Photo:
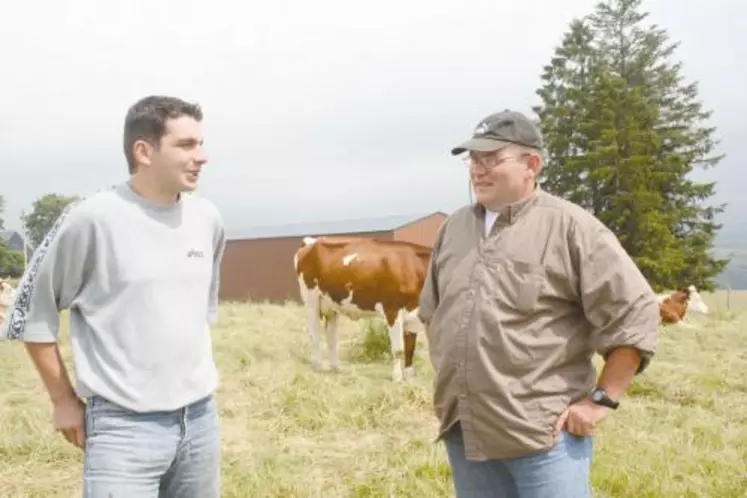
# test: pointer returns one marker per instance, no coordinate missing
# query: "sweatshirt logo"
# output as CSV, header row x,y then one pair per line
x,y
194,253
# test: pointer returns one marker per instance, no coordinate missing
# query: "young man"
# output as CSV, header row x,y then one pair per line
x,y
523,288
138,267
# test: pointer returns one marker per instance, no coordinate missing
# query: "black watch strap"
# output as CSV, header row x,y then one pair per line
x,y
600,397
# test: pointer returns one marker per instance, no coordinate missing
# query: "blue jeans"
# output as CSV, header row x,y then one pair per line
x,y
563,472
151,455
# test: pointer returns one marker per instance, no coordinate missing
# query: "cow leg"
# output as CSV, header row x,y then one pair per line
x,y
410,341
395,338
313,323
412,326
334,360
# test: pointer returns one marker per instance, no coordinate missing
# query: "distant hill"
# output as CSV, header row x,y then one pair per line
x,y
731,242
735,274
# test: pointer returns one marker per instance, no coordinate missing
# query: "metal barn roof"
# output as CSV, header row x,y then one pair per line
x,y
377,224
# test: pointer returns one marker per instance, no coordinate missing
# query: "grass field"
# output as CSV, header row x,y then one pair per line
x,y
290,432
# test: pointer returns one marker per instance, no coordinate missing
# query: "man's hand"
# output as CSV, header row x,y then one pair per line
x,y
69,419
581,418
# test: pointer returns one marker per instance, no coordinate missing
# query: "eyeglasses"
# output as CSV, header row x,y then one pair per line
x,y
489,162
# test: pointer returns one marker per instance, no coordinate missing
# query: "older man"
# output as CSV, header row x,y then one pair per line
x,y
522,289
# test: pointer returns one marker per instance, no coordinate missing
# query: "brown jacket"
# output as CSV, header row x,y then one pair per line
x,y
514,319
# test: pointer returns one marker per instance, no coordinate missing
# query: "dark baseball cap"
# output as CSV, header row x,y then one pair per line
x,y
499,130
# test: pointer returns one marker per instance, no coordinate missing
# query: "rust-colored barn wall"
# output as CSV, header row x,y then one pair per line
x,y
262,269
421,232
257,269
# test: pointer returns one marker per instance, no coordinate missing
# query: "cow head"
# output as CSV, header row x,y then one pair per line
x,y
695,301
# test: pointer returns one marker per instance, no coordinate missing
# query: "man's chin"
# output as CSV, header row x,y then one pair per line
x,y
189,186
483,198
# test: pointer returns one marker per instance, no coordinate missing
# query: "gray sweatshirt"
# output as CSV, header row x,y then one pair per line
x,y
141,283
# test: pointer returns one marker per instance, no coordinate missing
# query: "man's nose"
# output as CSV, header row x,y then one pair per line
x,y
201,157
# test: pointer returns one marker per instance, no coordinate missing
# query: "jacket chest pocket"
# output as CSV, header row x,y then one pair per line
x,y
516,285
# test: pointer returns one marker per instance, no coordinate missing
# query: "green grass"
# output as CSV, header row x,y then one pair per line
x,y
291,432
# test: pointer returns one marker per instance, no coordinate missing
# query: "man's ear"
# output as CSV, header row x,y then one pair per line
x,y
142,151
534,163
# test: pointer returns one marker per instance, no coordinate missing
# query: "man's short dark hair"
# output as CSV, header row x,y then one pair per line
x,y
146,120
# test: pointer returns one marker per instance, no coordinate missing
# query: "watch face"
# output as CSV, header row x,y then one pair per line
x,y
597,395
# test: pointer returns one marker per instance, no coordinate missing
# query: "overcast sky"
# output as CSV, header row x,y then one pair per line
x,y
313,110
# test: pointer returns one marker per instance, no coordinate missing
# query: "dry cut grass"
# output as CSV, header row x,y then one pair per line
x,y
291,432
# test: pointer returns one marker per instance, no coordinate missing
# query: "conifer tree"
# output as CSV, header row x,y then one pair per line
x,y
623,132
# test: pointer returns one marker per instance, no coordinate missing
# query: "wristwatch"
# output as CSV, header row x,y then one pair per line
x,y
600,397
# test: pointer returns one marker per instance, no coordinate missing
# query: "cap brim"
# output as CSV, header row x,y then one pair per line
x,y
479,145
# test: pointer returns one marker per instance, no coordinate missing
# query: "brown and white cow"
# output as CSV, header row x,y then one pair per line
x,y
7,296
691,300
362,278
673,308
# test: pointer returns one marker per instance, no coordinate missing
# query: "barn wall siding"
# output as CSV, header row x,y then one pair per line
x,y
422,232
